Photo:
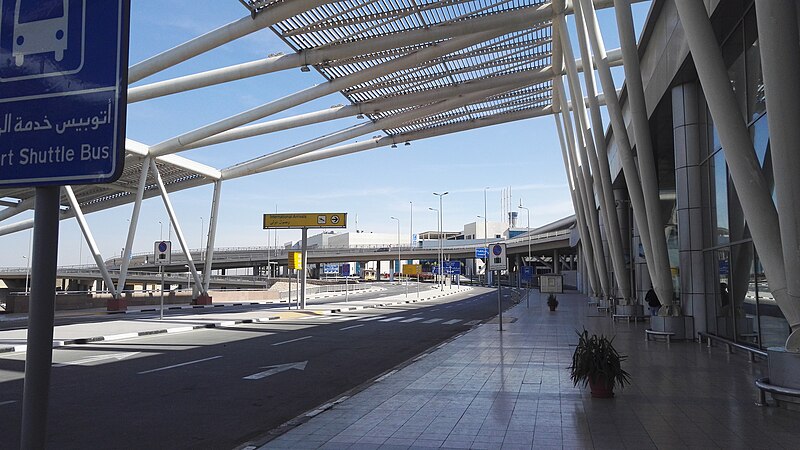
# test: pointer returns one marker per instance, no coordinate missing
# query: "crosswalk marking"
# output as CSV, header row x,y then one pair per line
x,y
413,319
390,319
451,322
371,318
433,320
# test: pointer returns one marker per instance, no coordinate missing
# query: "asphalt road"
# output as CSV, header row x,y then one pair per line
x,y
222,387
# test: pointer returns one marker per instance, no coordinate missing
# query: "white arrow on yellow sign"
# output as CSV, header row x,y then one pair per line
x,y
306,220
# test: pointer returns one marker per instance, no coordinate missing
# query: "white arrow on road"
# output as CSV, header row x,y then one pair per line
x,y
92,359
276,369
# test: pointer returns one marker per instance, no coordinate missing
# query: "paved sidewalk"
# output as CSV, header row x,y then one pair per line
x,y
125,326
488,389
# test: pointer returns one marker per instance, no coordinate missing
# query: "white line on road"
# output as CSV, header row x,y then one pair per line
x,y
432,320
451,322
292,340
7,402
390,319
371,318
351,327
413,319
180,365
95,358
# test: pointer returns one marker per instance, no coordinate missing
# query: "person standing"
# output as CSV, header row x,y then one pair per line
x,y
652,301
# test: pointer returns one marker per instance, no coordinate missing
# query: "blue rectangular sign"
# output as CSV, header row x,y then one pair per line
x,y
63,84
481,252
452,267
345,270
527,273
331,269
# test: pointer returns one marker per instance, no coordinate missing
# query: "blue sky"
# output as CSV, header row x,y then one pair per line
x,y
374,185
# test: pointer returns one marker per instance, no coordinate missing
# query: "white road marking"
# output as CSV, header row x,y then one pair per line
x,y
343,318
180,365
292,340
351,327
95,358
390,319
7,402
413,319
451,322
433,320
371,318
277,369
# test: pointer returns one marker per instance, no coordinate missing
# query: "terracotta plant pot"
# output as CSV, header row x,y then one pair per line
x,y
552,307
601,388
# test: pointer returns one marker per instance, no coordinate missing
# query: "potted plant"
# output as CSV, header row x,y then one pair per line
x,y
552,302
596,362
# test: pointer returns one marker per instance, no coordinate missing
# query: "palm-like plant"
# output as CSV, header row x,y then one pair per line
x,y
596,360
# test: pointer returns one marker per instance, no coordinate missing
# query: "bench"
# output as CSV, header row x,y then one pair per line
x,y
763,387
655,334
628,317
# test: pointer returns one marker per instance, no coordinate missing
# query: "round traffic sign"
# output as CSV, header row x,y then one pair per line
x,y
162,246
497,249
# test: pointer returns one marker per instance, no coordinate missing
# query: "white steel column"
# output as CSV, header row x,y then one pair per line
x,y
87,234
585,147
644,151
600,166
581,223
222,35
137,206
174,219
588,237
410,60
745,170
624,148
780,62
212,235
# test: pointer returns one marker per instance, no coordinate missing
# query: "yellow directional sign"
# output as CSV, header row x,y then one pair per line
x,y
306,220
412,269
296,260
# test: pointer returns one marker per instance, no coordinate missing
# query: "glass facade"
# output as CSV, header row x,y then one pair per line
x,y
743,308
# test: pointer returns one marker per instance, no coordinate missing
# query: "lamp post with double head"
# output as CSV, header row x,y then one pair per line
x,y
438,228
441,231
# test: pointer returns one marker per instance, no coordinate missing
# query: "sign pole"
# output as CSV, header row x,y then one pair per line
x,y
39,357
161,313
302,276
499,301
345,289
290,289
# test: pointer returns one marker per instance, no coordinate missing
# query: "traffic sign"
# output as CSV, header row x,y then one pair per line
x,y
481,252
345,270
452,267
527,273
296,260
63,85
306,220
498,259
330,269
162,253
412,269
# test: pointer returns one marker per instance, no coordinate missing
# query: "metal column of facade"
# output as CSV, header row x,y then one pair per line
x,y
662,281
137,206
624,148
780,61
212,236
603,182
743,166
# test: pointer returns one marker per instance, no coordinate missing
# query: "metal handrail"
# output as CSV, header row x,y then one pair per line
x,y
729,343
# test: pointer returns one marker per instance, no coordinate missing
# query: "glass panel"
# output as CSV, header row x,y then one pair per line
x,y
772,325
756,99
719,198
723,309
741,274
733,53
760,132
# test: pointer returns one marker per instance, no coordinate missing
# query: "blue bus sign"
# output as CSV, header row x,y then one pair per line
x,y
527,273
345,270
63,84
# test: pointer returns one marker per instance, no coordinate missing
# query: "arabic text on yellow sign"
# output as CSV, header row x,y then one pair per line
x,y
296,260
306,220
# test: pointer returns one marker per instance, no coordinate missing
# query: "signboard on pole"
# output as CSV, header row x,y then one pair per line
x,y
330,269
527,274
345,270
63,86
498,259
452,267
412,269
481,252
296,260
162,253
305,220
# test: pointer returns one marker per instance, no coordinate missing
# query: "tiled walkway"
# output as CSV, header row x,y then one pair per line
x,y
490,390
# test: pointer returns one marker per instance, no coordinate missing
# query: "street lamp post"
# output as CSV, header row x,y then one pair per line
x,y
411,226
160,231
485,237
438,227
397,269
529,243
441,230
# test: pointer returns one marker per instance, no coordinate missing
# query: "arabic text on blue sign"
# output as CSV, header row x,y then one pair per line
x,y
63,79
